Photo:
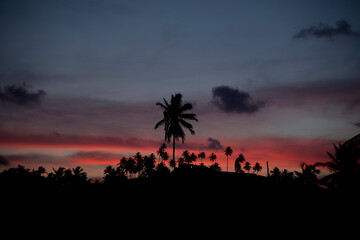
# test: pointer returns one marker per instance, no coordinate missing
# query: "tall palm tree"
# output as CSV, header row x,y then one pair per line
x,y
228,152
174,118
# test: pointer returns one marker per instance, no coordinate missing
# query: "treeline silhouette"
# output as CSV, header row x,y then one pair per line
x,y
191,183
145,167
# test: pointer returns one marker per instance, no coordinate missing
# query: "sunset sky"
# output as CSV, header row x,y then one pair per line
x,y
278,81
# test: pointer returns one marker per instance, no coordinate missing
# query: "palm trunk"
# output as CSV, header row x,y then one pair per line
x,y
174,152
227,164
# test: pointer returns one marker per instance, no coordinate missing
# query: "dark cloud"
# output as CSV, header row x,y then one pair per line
x,y
213,144
322,30
20,94
357,124
4,161
232,100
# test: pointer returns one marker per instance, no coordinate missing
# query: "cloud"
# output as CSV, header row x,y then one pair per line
x,y
232,100
322,30
4,161
357,124
20,94
213,144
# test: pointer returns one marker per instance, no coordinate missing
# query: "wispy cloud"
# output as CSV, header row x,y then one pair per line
x,y
323,30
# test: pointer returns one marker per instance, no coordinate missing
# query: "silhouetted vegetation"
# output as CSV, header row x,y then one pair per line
x,y
174,117
344,165
138,168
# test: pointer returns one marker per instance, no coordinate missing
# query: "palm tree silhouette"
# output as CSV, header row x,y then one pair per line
x,y
174,117
241,158
228,152
130,166
139,165
247,166
193,157
161,151
201,156
308,174
238,160
257,168
165,156
79,175
186,156
212,157
344,163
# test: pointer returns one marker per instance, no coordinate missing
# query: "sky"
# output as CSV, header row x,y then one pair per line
x,y
278,81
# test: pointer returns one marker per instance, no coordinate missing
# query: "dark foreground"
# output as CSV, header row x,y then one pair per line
x,y
181,203
184,188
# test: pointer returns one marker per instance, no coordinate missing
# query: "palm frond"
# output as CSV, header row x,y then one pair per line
x,y
187,125
161,122
331,156
186,107
189,116
166,103
161,105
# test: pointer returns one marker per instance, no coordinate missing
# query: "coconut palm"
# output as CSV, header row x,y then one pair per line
x,y
228,152
308,174
161,151
130,166
193,157
201,156
257,168
186,156
212,157
139,165
165,156
344,163
79,176
241,158
237,166
174,118
122,164
247,166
